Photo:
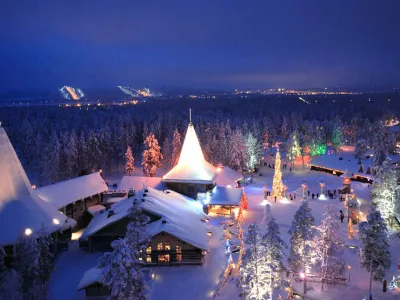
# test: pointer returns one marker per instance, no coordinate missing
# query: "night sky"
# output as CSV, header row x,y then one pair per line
x,y
199,43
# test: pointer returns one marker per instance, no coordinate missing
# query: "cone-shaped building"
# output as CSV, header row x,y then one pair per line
x,y
21,210
192,174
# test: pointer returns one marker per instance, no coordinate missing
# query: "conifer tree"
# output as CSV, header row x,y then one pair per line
x,y
176,147
361,149
129,161
167,152
293,148
273,256
152,156
328,246
253,272
122,273
45,261
137,236
337,137
385,190
301,235
253,151
277,184
375,245
238,153
72,156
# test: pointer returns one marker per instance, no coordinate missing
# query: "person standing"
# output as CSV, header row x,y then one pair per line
x,y
341,216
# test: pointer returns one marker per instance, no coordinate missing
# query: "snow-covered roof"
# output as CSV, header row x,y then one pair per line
x,y
69,191
348,162
182,214
138,182
96,209
191,167
227,176
20,207
225,196
91,276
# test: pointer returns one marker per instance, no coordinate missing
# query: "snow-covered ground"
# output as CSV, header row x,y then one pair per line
x,y
199,282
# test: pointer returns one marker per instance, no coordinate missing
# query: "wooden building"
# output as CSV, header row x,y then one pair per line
x,y
177,229
74,196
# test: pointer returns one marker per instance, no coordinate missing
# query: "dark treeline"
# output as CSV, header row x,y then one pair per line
x,y
56,143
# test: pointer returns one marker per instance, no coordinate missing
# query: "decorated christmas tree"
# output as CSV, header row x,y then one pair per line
x,y
350,230
277,184
129,161
244,202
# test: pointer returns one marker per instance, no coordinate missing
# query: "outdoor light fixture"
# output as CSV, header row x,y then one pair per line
x,y
56,222
28,231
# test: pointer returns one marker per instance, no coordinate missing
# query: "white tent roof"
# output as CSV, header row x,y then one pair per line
x,y
191,167
225,196
182,214
20,207
65,192
227,176
138,182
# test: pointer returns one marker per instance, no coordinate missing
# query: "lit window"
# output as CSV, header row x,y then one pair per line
x,y
159,246
167,246
178,253
148,250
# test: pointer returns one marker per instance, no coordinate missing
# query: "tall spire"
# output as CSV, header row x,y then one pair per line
x,y
190,116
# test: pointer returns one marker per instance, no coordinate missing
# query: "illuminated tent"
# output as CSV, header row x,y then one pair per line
x,y
191,167
21,210
193,173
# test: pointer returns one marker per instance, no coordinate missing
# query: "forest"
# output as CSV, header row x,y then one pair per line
x,y
55,143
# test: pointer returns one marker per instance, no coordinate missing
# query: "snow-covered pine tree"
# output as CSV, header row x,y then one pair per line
x,y
238,151
337,137
94,151
301,235
122,273
167,152
361,149
273,255
379,143
26,263
385,190
375,246
129,161
292,148
137,236
284,128
253,151
10,281
277,184
83,158
45,261
253,271
71,154
176,147
327,247
53,170
152,156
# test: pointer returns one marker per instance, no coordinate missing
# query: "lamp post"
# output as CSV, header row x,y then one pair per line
x,y
322,186
304,187
285,188
349,268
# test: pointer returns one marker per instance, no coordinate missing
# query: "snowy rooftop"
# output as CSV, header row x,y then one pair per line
x,y
91,276
182,214
20,207
225,196
191,167
227,176
65,192
139,182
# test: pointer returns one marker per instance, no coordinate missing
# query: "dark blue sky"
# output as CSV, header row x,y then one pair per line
x,y
193,43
